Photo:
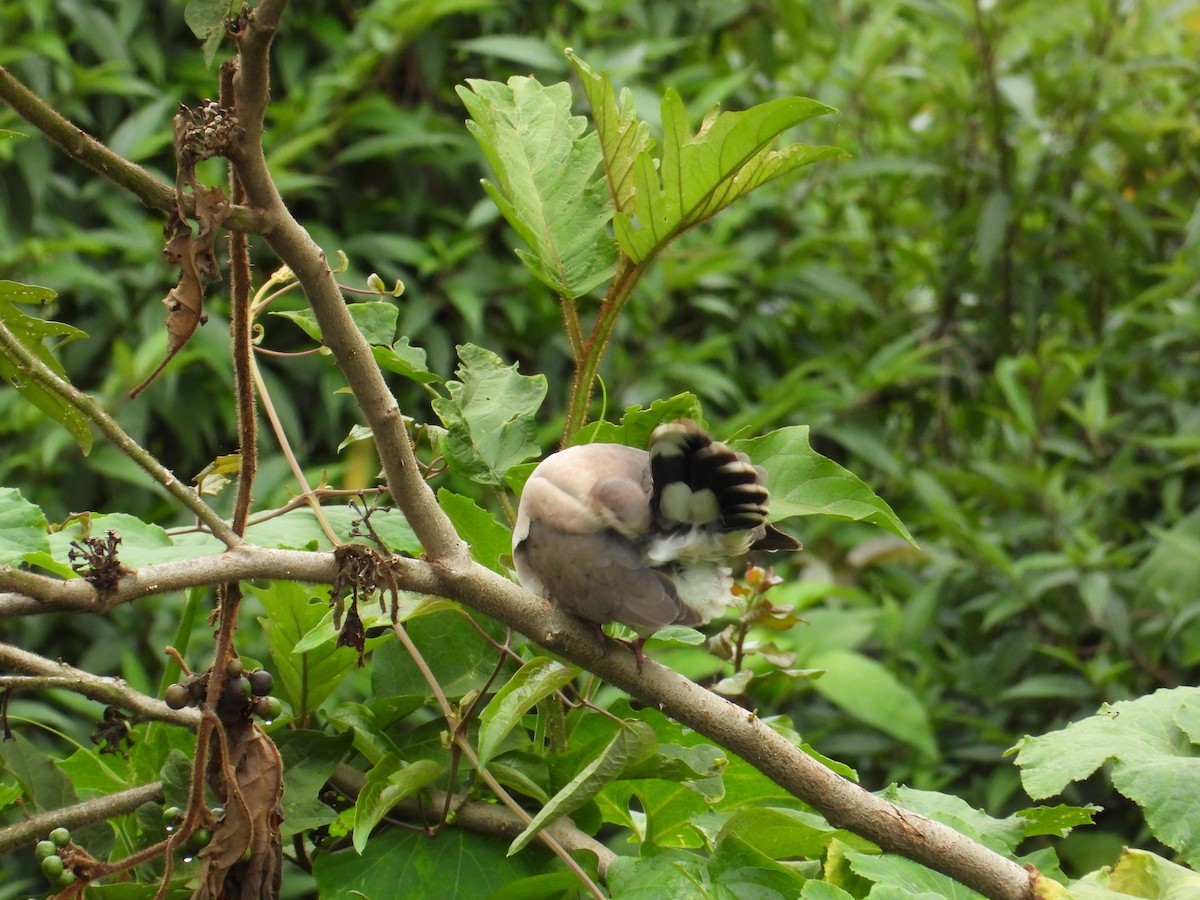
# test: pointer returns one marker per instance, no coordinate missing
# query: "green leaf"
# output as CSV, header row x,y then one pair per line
x,y
534,681
1152,743
805,483
389,781
402,863
781,833
376,320
303,679
547,188
405,359
698,175
489,416
868,691
206,18
1056,820
22,528
460,659
309,759
736,869
632,743
33,334
488,539
637,422
907,879
1140,873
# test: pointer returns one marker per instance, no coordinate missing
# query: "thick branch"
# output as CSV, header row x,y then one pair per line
x,y
110,691
350,349
99,809
31,594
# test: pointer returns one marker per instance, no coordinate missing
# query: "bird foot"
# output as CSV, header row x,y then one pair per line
x,y
638,655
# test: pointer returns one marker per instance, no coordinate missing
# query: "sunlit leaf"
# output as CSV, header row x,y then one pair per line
x,y
489,415
698,174
805,483
544,162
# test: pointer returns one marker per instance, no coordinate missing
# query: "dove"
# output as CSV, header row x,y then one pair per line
x,y
612,533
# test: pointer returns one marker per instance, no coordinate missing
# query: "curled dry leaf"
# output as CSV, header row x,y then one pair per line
x,y
192,252
244,859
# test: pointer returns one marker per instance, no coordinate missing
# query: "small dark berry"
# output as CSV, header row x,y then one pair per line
x,y
261,682
177,696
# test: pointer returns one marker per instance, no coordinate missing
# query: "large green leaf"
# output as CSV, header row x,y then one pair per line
x,y
304,679
632,743
1152,743
868,691
488,539
22,528
489,416
309,758
805,483
402,863
389,781
33,335
698,174
534,681
545,166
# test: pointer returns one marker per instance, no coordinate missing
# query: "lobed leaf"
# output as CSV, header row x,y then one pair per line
x,y
698,174
545,165
22,528
1152,743
489,416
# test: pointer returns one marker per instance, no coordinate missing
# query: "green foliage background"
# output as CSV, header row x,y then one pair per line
x,y
989,313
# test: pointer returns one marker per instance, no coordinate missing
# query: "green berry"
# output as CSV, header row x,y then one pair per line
x,y
44,849
52,866
234,668
200,838
268,708
171,815
60,836
217,812
65,879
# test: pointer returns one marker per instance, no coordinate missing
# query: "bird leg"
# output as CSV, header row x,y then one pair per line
x,y
636,647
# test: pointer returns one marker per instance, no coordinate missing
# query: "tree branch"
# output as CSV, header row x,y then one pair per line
x,y
350,349
99,809
82,147
110,691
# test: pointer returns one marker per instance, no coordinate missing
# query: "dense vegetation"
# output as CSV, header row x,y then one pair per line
x,y
988,311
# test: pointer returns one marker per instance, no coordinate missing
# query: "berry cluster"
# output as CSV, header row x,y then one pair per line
x,y
48,853
244,693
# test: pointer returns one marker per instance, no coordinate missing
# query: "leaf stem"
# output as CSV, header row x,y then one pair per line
x,y
588,365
